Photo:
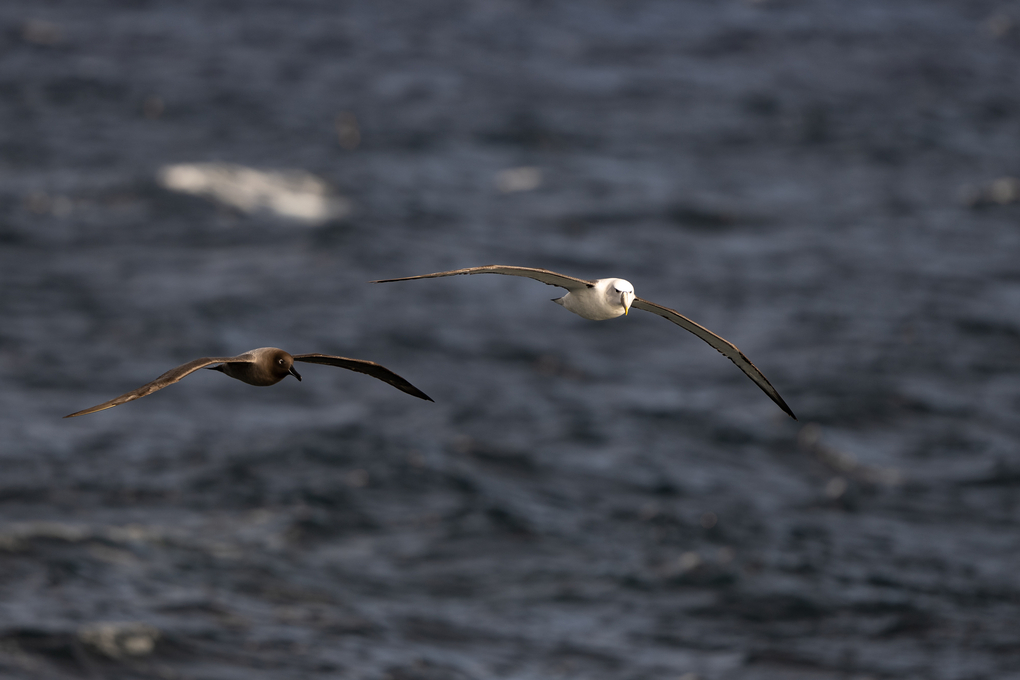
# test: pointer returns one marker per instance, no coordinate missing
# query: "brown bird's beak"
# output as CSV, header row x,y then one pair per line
x,y
293,372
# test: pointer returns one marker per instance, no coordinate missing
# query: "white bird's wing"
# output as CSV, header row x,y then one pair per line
x,y
168,378
543,275
727,349
368,368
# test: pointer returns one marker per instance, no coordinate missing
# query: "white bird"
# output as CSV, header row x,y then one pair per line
x,y
609,298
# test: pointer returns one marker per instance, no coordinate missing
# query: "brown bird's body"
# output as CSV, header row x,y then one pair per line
x,y
271,365
261,367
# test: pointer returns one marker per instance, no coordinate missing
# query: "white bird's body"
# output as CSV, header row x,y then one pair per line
x,y
609,298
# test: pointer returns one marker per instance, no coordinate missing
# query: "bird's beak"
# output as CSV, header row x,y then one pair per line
x,y
625,299
293,372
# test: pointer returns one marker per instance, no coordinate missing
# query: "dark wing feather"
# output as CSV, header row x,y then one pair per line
x,y
368,368
168,378
543,275
727,349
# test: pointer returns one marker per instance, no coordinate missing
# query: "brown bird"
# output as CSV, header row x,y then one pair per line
x,y
603,299
261,367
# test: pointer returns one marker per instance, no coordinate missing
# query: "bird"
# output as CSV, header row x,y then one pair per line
x,y
261,367
610,298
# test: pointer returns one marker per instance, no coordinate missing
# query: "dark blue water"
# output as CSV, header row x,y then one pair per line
x,y
812,180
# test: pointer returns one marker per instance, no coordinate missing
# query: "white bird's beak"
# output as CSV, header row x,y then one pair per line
x,y
625,299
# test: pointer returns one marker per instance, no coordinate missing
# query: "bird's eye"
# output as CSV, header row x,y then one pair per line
x,y
281,362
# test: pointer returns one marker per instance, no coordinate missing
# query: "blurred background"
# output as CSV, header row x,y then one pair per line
x,y
829,185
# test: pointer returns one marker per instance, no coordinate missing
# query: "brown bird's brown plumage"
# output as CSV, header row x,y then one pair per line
x,y
261,367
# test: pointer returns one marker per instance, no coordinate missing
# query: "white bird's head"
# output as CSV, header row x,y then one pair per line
x,y
620,292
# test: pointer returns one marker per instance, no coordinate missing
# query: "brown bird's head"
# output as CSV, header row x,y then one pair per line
x,y
281,364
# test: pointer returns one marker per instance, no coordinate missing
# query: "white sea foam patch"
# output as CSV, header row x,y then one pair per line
x,y
513,180
294,194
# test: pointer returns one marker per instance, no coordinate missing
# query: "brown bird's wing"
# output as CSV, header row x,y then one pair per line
x,y
727,349
543,275
368,368
168,378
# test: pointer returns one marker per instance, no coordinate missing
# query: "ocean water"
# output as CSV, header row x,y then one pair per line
x,y
827,185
